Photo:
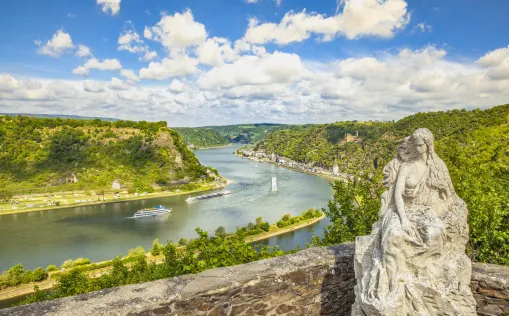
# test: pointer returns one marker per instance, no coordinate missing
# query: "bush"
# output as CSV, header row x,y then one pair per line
x,y
308,214
6,195
156,248
254,232
273,228
15,274
80,262
295,220
39,274
182,241
51,267
281,224
286,217
67,264
220,232
27,277
265,226
139,251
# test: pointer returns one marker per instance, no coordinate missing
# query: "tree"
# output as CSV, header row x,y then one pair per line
x,y
347,217
265,226
39,274
220,232
156,248
6,195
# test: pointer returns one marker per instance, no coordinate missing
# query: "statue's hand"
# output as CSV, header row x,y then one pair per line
x,y
405,225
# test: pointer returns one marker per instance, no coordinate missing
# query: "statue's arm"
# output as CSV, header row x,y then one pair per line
x,y
398,196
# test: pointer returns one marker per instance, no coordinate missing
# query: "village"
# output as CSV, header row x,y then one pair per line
x,y
331,173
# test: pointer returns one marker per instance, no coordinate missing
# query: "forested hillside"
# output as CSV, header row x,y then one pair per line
x,y
42,153
202,137
473,144
243,133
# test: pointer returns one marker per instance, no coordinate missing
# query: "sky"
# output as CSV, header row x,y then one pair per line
x,y
218,62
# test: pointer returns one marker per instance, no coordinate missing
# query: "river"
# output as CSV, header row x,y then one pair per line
x,y
100,232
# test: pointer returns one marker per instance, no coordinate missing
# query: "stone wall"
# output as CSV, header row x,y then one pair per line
x,y
316,281
490,285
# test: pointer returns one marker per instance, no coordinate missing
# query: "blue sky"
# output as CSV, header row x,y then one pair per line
x,y
210,62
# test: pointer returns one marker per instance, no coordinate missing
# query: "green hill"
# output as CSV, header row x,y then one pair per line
x,y
473,144
202,137
209,136
49,154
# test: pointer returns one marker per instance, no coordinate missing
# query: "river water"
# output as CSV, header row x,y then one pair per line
x,y
101,232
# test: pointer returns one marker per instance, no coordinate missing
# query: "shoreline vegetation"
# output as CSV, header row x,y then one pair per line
x,y
211,147
250,233
60,200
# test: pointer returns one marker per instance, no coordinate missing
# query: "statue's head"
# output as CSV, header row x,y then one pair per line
x,y
420,143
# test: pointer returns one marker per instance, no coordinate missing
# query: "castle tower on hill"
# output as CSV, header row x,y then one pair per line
x,y
350,138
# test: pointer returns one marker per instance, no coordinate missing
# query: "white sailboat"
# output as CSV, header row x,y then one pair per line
x,y
274,184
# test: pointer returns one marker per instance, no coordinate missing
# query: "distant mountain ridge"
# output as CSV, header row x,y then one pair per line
x,y
207,136
63,116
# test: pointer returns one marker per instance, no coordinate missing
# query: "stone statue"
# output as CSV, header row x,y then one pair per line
x,y
414,261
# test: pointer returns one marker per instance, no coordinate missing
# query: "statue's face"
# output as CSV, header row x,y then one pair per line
x,y
420,146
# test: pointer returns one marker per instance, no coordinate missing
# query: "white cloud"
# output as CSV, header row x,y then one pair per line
x,y
149,55
270,68
80,71
94,63
275,87
358,18
494,58
83,51
127,37
252,1
178,66
129,74
117,84
214,51
58,44
423,28
71,15
278,2
126,41
147,33
176,86
177,32
109,6
9,83
93,86
106,64
32,85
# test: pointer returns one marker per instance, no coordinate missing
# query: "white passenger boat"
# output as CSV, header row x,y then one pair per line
x,y
150,212
208,196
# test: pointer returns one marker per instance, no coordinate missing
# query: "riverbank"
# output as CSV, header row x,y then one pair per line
x,y
265,160
63,199
25,289
214,147
284,230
